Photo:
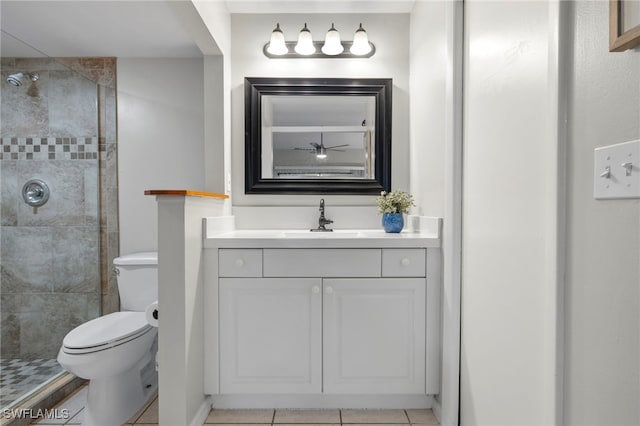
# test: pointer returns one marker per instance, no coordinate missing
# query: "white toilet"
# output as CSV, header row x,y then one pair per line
x,y
116,352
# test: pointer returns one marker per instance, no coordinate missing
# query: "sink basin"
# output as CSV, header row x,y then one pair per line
x,y
309,234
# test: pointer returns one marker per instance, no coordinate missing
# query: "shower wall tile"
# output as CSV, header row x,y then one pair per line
x,y
113,244
36,325
41,269
44,63
26,259
94,301
25,110
76,259
90,67
111,158
97,69
66,181
110,109
43,327
9,333
104,272
73,105
110,302
111,209
109,245
109,249
92,64
8,194
91,195
9,63
102,70
23,303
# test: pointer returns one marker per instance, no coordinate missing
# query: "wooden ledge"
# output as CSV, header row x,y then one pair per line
x,y
185,192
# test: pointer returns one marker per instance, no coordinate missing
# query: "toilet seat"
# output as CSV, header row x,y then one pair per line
x,y
106,332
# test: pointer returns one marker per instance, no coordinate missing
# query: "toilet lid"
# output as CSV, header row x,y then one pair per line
x,y
106,330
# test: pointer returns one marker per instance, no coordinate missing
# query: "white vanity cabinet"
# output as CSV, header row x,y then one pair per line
x,y
270,335
374,335
322,321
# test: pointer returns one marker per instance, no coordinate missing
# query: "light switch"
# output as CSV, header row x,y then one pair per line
x,y
617,171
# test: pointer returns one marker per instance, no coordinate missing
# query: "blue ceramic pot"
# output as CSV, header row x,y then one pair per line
x,y
392,222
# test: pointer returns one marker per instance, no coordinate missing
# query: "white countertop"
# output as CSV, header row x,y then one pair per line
x,y
303,238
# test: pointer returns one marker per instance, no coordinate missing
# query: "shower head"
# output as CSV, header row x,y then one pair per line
x,y
17,78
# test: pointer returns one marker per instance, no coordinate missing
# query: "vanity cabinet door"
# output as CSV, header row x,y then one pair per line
x,y
270,335
374,335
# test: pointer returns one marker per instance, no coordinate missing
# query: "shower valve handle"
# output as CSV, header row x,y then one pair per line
x,y
35,192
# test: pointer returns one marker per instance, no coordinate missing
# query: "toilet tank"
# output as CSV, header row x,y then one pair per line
x,y
137,275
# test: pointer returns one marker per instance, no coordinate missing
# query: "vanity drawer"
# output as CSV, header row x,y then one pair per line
x,y
403,263
322,262
240,263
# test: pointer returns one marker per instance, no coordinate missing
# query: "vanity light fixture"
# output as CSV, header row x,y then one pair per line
x,y
360,44
331,47
305,42
276,45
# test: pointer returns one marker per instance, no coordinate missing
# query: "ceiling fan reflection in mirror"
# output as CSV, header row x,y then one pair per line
x,y
320,150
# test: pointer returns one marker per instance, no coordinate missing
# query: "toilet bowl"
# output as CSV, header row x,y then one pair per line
x,y
116,352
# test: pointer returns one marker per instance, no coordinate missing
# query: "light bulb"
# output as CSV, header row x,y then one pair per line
x,y
332,45
277,45
321,153
360,44
305,42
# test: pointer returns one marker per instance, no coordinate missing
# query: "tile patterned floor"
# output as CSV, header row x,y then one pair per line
x,y
148,415
20,376
322,417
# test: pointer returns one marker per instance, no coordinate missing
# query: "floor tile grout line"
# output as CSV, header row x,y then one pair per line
x,y
407,416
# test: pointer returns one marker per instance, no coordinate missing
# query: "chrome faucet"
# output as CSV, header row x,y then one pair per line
x,y
322,221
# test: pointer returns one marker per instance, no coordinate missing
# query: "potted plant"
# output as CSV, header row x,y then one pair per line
x,y
393,205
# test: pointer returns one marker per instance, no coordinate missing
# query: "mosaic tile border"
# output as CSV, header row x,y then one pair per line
x,y
36,148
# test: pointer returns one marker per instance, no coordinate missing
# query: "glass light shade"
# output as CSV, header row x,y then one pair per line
x,y
277,45
360,44
305,42
321,153
332,45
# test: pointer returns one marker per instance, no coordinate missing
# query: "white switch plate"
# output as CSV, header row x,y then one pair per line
x,y
622,161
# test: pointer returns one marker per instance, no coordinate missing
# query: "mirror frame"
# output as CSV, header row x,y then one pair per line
x,y
256,87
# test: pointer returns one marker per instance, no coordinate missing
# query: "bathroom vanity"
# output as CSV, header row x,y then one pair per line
x,y
301,319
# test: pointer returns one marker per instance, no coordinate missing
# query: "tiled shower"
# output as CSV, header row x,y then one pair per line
x,y
54,258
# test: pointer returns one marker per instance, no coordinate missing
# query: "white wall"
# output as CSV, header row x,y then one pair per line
x,y
428,74
390,34
435,148
217,20
180,300
602,380
510,186
160,140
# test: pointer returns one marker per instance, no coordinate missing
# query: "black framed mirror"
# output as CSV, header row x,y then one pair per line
x,y
317,135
